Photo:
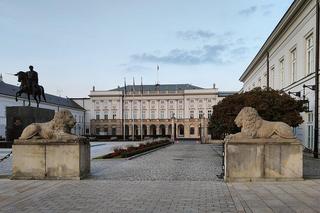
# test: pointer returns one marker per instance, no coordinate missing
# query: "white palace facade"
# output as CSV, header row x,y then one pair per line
x,y
150,110
286,62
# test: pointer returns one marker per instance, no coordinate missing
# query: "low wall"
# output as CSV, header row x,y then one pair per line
x,y
263,159
49,159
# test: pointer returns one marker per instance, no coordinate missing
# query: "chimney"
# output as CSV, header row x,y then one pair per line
x,y
93,88
214,86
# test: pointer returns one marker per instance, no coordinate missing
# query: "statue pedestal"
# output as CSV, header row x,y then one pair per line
x,y
263,159
50,159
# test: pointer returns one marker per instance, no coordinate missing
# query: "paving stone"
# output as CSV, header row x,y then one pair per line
x,y
179,178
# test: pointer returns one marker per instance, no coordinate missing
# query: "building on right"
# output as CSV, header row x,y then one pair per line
x,y
287,62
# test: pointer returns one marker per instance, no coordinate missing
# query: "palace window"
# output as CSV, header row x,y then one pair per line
x,y
106,115
97,131
153,115
180,114
191,130
310,54
161,114
97,115
209,113
200,113
272,76
114,131
105,131
134,114
281,66
293,65
143,114
126,115
114,115
171,114
191,114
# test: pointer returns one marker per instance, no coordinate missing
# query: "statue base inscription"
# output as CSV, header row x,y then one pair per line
x,y
51,159
263,159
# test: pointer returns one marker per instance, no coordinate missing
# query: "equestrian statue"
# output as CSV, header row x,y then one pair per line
x,y
29,85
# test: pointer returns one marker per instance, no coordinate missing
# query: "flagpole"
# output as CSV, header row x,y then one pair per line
x,y
133,90
141,126
157,74
123,110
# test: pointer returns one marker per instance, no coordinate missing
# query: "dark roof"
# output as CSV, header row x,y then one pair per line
x,y
160,87
225,94
11,90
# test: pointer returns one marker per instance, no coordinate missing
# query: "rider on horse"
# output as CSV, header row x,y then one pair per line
x,y
32,78
29,85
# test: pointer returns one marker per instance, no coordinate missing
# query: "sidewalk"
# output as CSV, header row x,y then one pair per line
x,y
179,178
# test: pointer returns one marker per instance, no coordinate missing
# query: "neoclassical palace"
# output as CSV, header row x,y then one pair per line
x,y
150,110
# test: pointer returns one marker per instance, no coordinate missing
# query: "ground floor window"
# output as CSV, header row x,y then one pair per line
x,y
181,130
97,131
114,131
191,130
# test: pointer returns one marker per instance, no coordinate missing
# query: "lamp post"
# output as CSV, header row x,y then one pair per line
x,y
316,110
173,127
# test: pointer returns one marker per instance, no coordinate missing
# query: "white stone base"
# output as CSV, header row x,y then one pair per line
x,y
263,159
48,159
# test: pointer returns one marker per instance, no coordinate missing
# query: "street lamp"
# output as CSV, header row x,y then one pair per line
x,y
173,129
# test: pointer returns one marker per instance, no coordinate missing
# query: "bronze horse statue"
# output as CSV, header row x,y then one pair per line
x,y
36,91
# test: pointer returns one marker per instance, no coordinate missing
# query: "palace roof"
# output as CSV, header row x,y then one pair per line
x,y
11,90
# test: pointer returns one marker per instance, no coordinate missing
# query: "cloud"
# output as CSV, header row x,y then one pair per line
x,y
239,52
248,11
267,9
195,34
134,67
206,54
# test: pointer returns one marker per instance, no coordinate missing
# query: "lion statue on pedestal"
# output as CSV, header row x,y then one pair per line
x,y
253,126
58,128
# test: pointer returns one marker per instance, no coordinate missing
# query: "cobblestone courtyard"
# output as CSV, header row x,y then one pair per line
x,y
178,178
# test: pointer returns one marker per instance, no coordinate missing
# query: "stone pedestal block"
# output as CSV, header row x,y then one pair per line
x,y
51,159
263,159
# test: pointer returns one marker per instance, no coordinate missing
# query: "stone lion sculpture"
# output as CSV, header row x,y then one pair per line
x,y
253,126
58,128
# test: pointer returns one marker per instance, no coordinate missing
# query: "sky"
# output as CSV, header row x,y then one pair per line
x,y
77,44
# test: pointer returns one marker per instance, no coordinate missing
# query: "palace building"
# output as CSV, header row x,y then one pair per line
x,y
287,62
150,110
